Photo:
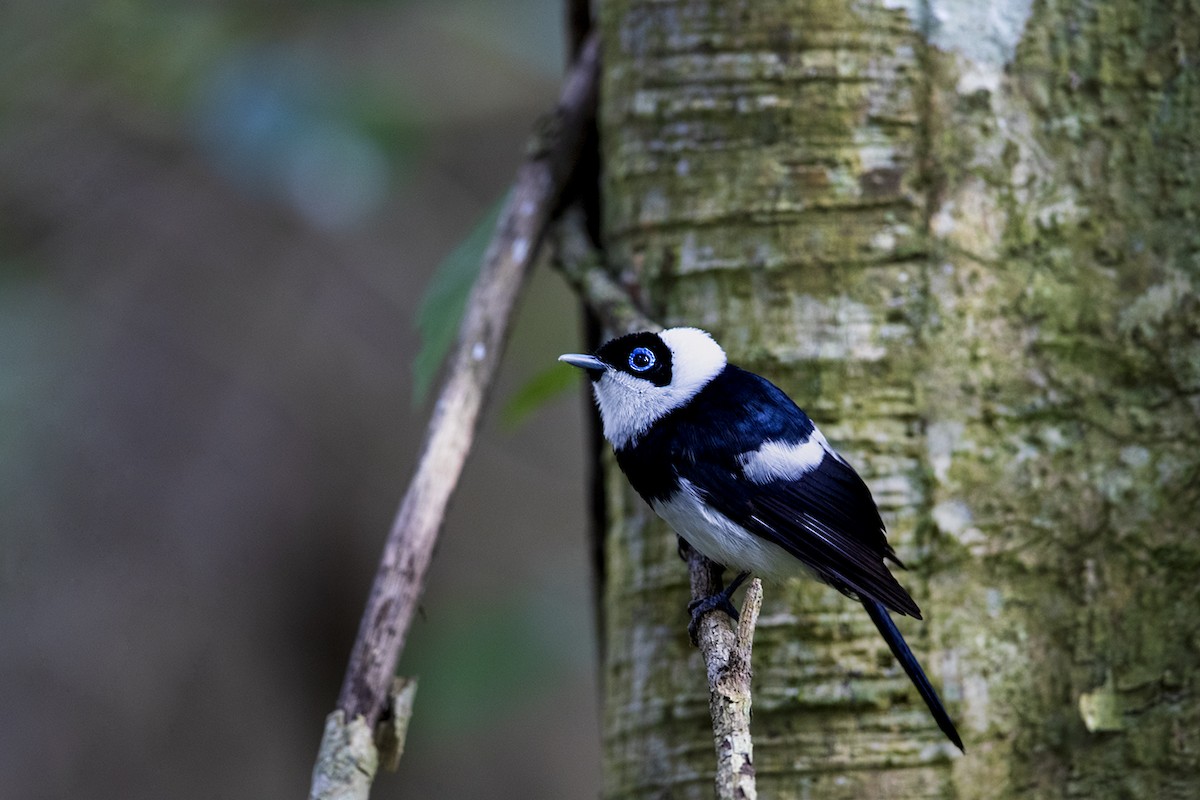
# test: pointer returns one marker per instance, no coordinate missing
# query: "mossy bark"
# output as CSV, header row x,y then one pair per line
x,y
963,236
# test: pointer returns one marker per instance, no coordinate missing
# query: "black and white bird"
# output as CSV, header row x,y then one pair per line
x,y
740,471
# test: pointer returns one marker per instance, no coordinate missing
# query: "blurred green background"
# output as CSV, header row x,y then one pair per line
x,y
217,224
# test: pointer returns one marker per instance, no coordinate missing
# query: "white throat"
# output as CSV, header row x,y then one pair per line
x,y
630,405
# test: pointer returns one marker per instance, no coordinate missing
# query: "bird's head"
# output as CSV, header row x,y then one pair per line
x,y
642,377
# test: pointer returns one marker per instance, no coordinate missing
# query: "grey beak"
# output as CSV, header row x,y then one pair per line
x,y
590,363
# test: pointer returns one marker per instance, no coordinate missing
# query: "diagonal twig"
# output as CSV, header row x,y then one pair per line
x,y
583,267
348,756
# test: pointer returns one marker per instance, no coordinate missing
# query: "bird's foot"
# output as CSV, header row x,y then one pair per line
x,y
721,601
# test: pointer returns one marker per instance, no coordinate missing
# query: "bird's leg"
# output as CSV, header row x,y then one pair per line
x,y
714,602
682,547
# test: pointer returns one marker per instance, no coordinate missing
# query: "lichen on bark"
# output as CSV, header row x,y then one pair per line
x,y
975,264
1062,354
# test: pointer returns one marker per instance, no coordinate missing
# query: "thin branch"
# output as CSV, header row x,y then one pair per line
x,y
583,267
727,662
537,191
726,651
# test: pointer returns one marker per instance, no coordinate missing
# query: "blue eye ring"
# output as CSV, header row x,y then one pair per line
x,y
641,359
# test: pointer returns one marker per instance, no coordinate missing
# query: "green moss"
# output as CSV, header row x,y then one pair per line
x,y
1066,363
988,297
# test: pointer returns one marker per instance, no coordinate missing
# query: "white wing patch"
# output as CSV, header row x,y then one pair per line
x,y
782,461
786,461
724,541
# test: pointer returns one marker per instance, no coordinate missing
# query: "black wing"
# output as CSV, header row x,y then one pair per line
x,y
826,518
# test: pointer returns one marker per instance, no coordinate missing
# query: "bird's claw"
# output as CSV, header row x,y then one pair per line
x,y
698,608
721,601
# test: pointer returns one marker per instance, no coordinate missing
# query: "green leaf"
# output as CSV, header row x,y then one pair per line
x,y
445,300
537,391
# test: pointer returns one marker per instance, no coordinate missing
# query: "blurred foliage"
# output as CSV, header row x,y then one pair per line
x,y
446,298
543,387
216,221
155,53
275,120
275,108
478,664
441,311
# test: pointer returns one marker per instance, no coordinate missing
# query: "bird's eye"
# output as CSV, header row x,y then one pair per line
x,y
641,359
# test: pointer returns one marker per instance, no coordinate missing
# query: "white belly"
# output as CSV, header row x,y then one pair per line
x,y
722,540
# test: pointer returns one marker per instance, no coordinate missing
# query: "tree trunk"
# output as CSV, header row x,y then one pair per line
x,y
963,236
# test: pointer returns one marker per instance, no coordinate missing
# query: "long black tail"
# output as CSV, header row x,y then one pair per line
x,y
891,634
